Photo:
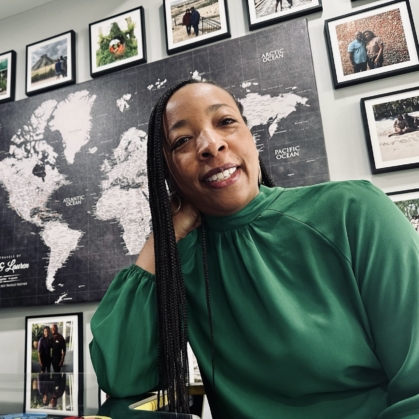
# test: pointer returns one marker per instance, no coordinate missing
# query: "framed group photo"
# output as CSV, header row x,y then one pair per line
x,y
117,42
408,203
372,43
50,63
391,124
191,23
53,364
7,76
264,13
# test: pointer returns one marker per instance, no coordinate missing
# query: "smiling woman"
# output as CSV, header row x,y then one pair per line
x,y
287,296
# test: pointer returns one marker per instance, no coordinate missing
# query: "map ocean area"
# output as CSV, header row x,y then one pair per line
x,y
74,201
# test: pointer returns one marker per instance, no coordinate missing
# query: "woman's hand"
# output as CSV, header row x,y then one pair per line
x,y
186,220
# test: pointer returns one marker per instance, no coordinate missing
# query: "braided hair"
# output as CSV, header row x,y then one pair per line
x,y
170,288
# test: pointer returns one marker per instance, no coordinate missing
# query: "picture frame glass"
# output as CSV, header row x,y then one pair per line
x,y
5,76
178,35
49,63
116,41
390,147
390,24
52,387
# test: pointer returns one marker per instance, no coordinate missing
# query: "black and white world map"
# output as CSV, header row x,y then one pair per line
x,y
73,183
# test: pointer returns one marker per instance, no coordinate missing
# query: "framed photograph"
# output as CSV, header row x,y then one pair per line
x,y
372,44
391,123
7,76
190,24
408,202
117,42
53,364
261,13
50,63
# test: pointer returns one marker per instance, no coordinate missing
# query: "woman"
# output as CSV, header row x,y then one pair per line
x,y
297,302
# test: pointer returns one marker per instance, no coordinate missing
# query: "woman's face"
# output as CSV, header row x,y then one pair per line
x,y
210,152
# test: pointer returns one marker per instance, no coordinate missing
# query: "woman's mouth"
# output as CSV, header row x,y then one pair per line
x,y
222,175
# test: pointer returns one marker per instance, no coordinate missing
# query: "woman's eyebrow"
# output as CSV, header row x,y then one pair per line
x,y
216,106
183,122
178,124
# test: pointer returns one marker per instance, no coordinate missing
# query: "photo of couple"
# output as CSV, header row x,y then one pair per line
x,y
372,42
366,51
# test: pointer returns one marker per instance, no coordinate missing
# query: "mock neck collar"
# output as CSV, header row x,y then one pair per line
x,y
247,214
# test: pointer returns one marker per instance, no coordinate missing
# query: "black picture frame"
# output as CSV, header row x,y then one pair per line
x,y
51,63
404,50
259,16
59,391
117,42
213,25
408,203
392,145
7,76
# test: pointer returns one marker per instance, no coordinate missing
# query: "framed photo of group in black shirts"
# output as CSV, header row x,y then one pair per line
x,y
372,44
391,123
190,24
50,63
264,13
53,364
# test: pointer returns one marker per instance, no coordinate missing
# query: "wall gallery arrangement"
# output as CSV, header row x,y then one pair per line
x,y
73,185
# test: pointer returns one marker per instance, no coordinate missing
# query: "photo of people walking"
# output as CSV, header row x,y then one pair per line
x,y
269,7
49,63
194,18
193,23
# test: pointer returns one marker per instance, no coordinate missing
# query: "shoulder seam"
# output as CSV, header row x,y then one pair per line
x,y
315,229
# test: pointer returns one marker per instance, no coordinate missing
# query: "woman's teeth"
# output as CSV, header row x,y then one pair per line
x,y
223,175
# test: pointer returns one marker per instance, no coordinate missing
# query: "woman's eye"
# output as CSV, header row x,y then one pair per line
x,y
227,121
179,142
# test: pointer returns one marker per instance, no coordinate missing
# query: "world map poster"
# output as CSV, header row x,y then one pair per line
x,y
73,184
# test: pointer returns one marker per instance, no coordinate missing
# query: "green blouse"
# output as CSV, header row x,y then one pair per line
x,y
315,308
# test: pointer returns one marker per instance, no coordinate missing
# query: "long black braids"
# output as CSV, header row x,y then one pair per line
x,y
170,287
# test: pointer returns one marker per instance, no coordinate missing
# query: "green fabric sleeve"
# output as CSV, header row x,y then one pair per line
x,y
383,249
124,328
386,263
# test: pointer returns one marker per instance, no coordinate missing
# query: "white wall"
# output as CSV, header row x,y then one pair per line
x,y
344,135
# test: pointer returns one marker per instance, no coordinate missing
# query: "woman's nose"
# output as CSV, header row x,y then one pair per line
x,y
210,143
